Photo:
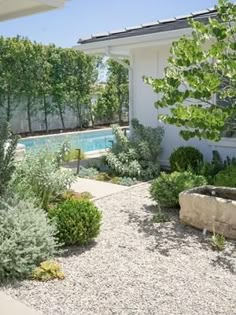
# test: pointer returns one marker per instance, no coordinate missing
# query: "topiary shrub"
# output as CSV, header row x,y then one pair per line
x,y
186,158
78,221
26,239
226,177
48,270
166,188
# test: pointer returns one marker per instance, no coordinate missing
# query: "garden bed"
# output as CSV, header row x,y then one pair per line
x,y
138,267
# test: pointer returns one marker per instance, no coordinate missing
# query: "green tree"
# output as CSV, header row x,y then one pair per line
x,y
59,72
45,85
118,79
9,76
32,73
114,97
82,75
198,69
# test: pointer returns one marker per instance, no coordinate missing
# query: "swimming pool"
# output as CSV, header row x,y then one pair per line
x,y
87,141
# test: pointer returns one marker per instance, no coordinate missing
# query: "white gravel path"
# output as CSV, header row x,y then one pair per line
x,y
137,267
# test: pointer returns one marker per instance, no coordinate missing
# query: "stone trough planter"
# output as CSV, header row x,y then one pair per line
x,y
210,208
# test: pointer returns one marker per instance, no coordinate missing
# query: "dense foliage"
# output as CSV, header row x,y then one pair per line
x,y
212,168
40,176
198,69
113,98
137,156
46,80
93,173
26,238
166,188
78,221
8,143
226,177
186,158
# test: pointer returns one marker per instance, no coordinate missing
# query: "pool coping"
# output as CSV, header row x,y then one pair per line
x,y
66,133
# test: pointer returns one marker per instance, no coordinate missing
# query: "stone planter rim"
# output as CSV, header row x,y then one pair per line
x,y
195,191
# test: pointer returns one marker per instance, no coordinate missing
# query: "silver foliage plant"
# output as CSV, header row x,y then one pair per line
x,y
41,176
137,156
26,238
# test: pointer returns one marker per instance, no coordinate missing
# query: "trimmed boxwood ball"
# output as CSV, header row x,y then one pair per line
x,y
186,158
166,188
78,221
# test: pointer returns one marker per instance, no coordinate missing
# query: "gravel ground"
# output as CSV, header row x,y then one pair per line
x,y
139,267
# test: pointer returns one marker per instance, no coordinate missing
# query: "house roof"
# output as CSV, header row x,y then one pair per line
x,y
10,9
175,23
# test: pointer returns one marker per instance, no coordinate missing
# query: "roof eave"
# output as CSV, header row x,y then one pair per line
x,y
123,46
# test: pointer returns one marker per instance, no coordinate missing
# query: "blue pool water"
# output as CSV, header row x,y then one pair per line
x,y
87,141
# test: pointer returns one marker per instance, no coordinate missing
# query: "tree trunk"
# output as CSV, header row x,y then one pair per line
x,y
61,116
120,107
8,107
78,107
45,113
91,117
29,114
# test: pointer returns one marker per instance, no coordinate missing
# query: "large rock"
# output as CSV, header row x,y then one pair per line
x,y
211,208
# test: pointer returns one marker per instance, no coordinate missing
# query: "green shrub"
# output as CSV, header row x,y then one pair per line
x,y
70,194
210,169
137,156
218,241
40,176
104,177
186,158
72,155
166,188
26,239
48,270
226,177
90,172
125,181
8,143
78,221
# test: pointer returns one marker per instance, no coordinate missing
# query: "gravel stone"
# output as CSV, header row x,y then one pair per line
x,y
138,267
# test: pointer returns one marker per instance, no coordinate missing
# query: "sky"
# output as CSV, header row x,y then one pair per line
x,y
81,18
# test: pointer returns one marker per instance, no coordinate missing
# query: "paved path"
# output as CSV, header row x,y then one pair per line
x,y
9,306
97,189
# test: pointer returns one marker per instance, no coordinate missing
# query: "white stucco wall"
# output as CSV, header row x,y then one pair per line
x,y
151,61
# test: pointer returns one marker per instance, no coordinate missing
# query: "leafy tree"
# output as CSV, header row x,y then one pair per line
x,y
107,103
45,85
58,74
9,75
118,78
82,75
198,69
32,74
115,96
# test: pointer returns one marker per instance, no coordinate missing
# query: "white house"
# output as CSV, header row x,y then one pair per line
x,y
147,46
10,9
